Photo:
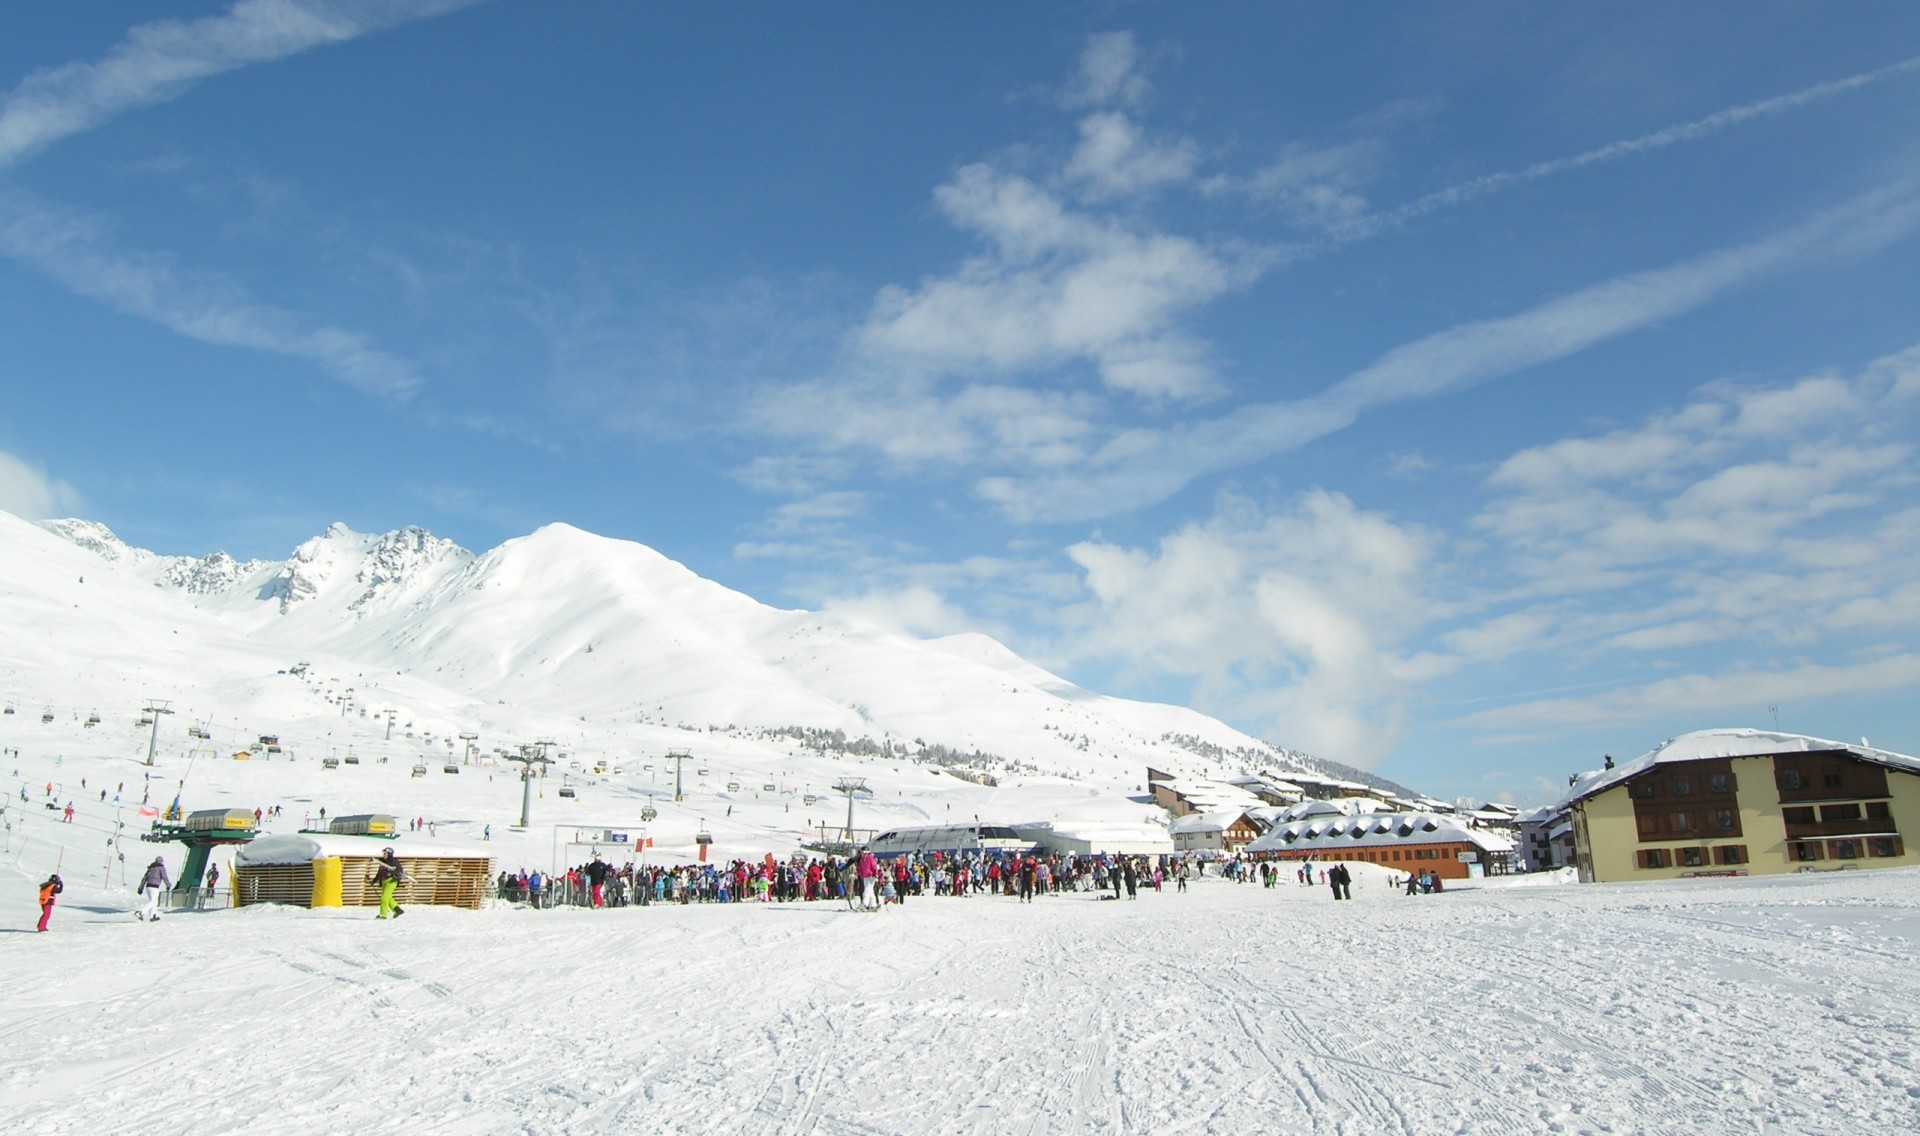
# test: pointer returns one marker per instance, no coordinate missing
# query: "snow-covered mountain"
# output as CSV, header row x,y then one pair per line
x,y
557,625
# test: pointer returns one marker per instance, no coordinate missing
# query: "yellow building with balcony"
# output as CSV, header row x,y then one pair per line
x,y
1745,802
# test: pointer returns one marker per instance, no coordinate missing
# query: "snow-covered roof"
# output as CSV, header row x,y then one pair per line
x,y
1374,830
306,847
1346,806
1727,742
1217,821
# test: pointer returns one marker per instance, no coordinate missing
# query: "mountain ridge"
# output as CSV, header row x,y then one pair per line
x,y
604,630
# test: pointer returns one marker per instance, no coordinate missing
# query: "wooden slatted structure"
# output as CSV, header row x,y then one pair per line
x,y
281,870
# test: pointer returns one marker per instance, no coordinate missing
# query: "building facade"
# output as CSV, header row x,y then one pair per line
x,y
1746,802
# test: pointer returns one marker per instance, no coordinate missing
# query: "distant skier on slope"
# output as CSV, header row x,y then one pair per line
x,y
388,874
151,885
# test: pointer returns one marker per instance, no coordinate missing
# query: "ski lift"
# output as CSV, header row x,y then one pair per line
x,y
353,759
703,836
567,791
47,716
649,813
769,787
703,773
420,770
93,719
733,786
329,763
9,709
450,767
647,768
811,799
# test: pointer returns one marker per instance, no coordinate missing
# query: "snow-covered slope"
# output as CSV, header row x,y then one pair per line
x,y
559,625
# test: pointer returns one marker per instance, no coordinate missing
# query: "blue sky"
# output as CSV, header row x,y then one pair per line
x,y
1458,391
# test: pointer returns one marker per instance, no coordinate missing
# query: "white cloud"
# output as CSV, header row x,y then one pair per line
x,y
1113,159
1108,73
75,251
1292,618
1061,286
158,61
28,491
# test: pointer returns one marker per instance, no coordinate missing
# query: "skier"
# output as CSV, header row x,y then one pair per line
x,y
388,874
213,879
150,885
868,870
48,890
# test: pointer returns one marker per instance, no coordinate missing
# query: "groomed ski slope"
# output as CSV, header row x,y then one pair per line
x,y
1723,1006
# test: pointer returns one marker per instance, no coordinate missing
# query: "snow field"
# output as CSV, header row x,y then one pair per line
x,y
1783,1005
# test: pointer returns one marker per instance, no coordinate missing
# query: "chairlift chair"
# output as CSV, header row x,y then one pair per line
x,y
420,770
649,813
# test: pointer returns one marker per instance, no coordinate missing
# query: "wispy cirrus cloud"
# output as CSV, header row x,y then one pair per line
x,y
160,60
75,250
156,62
1143,466
1360,226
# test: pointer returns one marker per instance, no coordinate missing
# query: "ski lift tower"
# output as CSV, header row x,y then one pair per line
x,y
470,740
852,787
679,757
528,757
153,710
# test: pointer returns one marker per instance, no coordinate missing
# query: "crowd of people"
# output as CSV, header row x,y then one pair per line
x,y
862,880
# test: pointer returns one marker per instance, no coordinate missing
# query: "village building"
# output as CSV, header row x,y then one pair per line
x,y
1226,831
1446,846
1545,836
1745,802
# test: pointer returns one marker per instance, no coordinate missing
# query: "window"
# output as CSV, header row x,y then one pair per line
x,y
1682,822
1879,810
1846,849
1730,854
1653,857
1797,815
1649,826
1804,850
1693,857
1884,846
1834,778
1682,786
1719,782
1839,812
1723,818
1789,779
1641,789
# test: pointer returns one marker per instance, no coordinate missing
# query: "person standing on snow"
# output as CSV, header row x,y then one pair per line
x,y
597,877
48,890
150,886
868,871
387,873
